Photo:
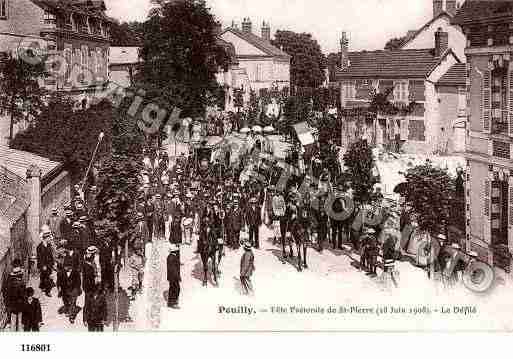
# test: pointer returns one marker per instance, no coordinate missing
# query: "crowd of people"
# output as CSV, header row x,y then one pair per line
x,y
217,206
70,258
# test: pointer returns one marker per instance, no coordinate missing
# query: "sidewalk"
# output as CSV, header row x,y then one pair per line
x,y
57,322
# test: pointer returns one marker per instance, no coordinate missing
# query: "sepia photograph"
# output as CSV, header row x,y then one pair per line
x,y
272,166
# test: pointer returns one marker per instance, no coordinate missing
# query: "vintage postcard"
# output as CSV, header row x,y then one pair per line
x,y
248,166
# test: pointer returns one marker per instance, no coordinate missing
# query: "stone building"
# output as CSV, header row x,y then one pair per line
x,y
489,135
422,76
260,65
76,30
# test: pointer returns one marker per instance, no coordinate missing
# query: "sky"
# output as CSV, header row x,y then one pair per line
x,y
369,23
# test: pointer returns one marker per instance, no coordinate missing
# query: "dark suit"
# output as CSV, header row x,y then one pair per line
x,y
253,221
66,228
174,278
32,316
95,312
45,264
69,286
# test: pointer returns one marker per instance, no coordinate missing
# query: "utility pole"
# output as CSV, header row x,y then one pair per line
x,y
115,324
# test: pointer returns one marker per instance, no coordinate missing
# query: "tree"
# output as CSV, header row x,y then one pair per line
x,y
20,94
64,135
181,56
395,43
429,192
360,164
308,63
334,61
126,33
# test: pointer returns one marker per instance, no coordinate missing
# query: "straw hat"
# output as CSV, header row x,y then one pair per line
x,y
473,254
455,246
91,250
173,248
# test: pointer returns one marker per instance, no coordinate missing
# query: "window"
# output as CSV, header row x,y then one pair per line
x,y
416,130
49,18
499,221
3,9
401,91
499,101
68,56
349,90
84,56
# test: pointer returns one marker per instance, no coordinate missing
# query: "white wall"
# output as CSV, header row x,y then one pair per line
x,y
426,39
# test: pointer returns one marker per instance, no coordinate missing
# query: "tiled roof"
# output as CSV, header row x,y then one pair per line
x,y
259,43
454,76
414,63
124,55
19,161
475,10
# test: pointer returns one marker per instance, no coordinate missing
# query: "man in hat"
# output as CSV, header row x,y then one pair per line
x,y
337,227
66,224
13,291
365,242
136,268
45,261
53,222
69,285
253,221
247,267
158,216
234,224
95,310
89,276
142,236
32,315
173,276
188,219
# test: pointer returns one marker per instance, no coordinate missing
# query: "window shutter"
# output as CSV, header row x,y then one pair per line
x,y
487,103
510,214
487,224
510,103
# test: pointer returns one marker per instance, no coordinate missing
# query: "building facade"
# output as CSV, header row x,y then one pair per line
x,y
260,65
74,30
411,76
123,62
489,135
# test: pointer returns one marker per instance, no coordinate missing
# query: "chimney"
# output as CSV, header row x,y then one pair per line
x,y
344,51
441,42
218,29
451,7
235,25
266,32
438,7
246,25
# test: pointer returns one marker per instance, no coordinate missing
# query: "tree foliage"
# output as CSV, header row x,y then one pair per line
x,y
429,191
66,135
308,62
360,164
126,33
21,97
118,184
181,55
395,43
